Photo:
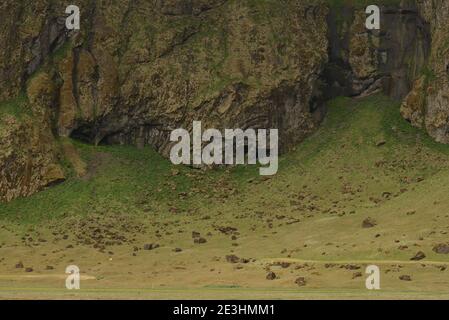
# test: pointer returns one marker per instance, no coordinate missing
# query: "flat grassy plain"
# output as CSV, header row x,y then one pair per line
x,y
133,223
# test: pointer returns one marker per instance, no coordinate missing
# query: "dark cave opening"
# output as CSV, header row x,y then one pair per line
x,y
84,133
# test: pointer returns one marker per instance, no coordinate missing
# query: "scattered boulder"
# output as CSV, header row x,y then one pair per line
x,y
232,258
199,240
19,265
150,246
195,234
271,275
441,248
301,281
405,278
386,195
29,269
351,267
369,223
227,230
418,256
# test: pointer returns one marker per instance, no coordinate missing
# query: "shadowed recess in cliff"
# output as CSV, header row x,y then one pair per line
x,y
363,62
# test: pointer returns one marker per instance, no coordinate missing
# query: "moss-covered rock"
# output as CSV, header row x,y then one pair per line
x,y
436,109
136,71
28,157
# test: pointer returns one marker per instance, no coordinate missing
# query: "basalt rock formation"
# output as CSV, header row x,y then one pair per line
x,y
138,69
427,105
365,61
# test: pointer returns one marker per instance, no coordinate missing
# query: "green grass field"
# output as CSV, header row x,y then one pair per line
x,y
364,161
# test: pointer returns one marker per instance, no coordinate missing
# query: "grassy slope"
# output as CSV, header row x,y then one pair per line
x,y
310,215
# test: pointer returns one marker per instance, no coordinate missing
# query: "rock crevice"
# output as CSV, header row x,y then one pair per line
x,y
363,62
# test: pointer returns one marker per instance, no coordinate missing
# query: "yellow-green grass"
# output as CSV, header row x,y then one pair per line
x,y
364,161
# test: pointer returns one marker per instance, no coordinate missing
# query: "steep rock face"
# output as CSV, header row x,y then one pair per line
x,y
29,155
364,61
27,158
146,70
138,69
427,105
29,33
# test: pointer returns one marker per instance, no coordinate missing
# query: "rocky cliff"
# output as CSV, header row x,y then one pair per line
x,y
427,105
138,69
366,61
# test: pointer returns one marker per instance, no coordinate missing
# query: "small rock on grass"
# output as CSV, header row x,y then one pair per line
x,y
150,246
199,240
369,223
301,281
405,278
271,275
195,234
441,248
418,256
232,258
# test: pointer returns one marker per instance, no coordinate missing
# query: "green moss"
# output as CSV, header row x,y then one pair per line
x,y
429,75
62,52
17,107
